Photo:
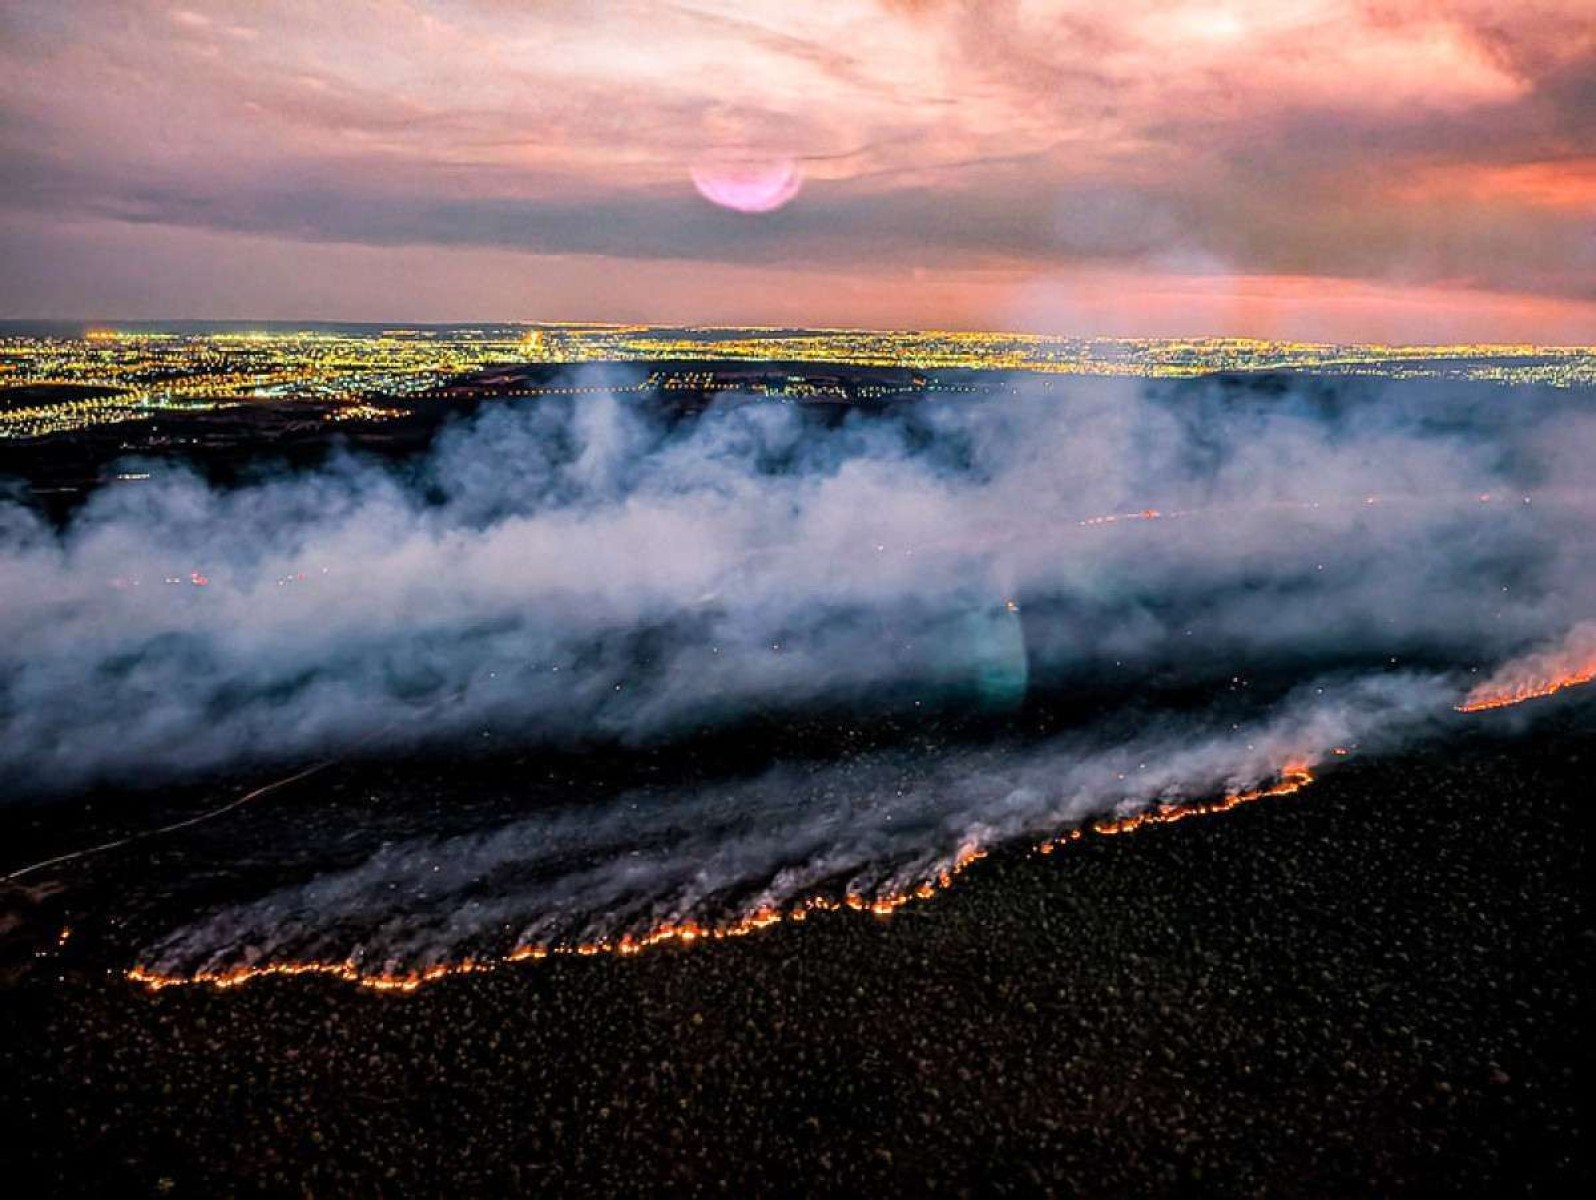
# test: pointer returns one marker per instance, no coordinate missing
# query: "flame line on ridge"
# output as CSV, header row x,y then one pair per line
x,y
1482,699
1293,778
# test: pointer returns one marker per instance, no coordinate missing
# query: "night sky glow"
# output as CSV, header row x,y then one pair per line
x,y
1386,170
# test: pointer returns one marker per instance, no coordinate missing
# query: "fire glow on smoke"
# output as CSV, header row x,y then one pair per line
x,y
592,568
686,932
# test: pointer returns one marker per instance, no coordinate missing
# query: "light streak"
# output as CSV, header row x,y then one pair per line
x,y
186,823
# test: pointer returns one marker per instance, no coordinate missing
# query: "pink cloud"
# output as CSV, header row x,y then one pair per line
x,y
1393,143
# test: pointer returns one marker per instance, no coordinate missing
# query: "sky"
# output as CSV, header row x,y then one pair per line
x,y
1372,170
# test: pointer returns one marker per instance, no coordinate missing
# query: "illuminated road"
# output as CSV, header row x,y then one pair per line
x,y
187,823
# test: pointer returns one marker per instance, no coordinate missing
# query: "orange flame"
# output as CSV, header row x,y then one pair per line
x,y
1539,675
1293,778
1544,673
685,932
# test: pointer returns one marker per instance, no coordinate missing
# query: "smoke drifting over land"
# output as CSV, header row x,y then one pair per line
x,y
1543,672
599,569
589,567
877,828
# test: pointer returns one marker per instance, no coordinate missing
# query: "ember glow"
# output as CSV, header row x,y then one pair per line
x,y
596,565
1545,673
1292,779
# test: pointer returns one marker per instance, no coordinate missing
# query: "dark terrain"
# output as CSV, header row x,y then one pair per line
x,y
1381,986
236,442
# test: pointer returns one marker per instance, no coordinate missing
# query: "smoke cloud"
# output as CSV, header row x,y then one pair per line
x,y
868,826
599,570
1543,672
594,567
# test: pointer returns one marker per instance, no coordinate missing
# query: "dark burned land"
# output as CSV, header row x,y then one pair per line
x,y
1380,986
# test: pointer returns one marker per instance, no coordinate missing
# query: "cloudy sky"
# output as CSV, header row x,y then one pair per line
x,y
1377,169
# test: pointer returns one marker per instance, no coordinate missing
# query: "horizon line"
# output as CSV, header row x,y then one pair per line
x,y
157,325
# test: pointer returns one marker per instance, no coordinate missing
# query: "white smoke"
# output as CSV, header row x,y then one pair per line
x,y
580,568
600,571
868,825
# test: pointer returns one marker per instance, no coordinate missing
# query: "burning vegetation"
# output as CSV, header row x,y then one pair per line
x,y
1545,673
1293,779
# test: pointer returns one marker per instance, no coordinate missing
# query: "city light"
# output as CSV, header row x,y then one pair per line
x,y
54,385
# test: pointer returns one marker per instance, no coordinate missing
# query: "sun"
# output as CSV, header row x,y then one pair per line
x,y
751,187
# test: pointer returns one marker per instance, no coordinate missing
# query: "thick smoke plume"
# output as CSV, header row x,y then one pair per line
x,y
600,570
593,568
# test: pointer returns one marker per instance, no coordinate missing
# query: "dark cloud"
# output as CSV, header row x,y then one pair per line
x,y
1248,213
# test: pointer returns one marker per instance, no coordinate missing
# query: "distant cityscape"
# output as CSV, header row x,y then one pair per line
x,y
59,383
